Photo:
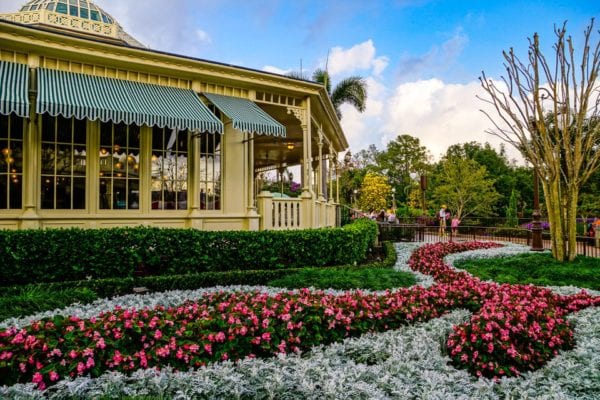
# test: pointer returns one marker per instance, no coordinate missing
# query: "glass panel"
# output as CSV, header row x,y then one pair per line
x,y
79,132
16,128
5,157
182,200
106,134
105,194
133,164
48,158
61,8
94,15
79,160
48,124
63,130
3,191
74,11
133,194
3,126
83,13
78,193
134,136
50,6
63,193
120,140
64,159
157,138
17,155
48,192
104,19
34,7
16,188
119,194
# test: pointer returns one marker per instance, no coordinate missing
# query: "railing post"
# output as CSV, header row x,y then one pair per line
x,y
265,206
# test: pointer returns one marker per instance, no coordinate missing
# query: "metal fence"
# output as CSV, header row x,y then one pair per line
x,y
430,234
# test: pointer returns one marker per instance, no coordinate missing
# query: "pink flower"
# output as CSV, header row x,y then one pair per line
x,y
54,376
157,334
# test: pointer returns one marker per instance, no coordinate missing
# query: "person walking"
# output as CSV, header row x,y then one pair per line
x,y
454,224
442,214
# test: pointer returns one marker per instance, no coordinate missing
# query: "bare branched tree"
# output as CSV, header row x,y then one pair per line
x,y
549,110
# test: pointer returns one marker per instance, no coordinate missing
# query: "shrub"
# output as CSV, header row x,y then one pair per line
x,y
55,255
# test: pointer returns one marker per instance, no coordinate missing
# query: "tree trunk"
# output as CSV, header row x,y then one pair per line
x,y
554,207
573,196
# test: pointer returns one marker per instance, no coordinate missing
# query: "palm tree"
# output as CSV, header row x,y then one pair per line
x,y
352,90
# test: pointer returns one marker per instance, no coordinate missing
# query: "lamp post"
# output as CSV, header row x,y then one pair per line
x,y
423,189
394,200
536,226
354,198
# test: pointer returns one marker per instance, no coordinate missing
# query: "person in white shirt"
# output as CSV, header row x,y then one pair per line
x,y
442,219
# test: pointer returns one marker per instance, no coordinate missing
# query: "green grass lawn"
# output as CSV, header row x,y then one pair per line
x,y
537,268
32,299
346,278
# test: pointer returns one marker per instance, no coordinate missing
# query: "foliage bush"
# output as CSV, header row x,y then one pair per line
x,y
74,254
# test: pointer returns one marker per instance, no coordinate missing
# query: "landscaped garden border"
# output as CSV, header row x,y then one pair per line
x,y
242,325
386,365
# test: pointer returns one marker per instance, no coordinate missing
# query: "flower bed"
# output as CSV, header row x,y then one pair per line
x,y
517,328
236,325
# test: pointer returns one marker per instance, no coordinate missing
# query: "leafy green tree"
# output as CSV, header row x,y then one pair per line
x,y
403,156
496,164
464,186
374,192
511,211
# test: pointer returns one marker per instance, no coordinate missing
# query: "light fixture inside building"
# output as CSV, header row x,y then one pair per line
x,y
290,146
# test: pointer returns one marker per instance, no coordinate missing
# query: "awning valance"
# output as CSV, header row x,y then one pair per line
x,y
246,115
107,99
14,80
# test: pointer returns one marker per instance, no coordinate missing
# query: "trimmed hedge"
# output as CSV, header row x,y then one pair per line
x,y
58,255
22,300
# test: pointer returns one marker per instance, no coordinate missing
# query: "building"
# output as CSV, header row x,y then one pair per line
x,y
98,131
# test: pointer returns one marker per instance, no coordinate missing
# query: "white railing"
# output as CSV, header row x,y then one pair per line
x,y
294,213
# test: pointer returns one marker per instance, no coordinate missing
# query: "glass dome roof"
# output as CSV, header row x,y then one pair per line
x,y
76,8
73,15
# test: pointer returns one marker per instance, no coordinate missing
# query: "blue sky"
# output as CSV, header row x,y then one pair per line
x,y
421,58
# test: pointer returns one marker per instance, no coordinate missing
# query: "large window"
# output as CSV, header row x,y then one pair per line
x,y
63,162
210,171
119,159
169,169
11,161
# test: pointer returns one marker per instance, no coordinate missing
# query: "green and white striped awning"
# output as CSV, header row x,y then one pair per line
x,y
14,80
246,115
107,99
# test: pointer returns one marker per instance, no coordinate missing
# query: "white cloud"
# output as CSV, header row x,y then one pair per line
x,y
203,36
358,57
276,70
438,113
437,60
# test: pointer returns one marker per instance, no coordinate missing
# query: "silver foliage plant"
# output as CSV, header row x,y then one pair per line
x,y
408,363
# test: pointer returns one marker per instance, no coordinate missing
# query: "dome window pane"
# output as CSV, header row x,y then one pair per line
x,y
83,13
94,15
61,8
74,11
50,6
104,19
34,7
73,2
